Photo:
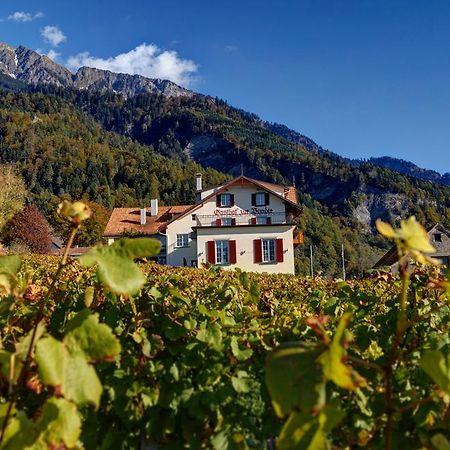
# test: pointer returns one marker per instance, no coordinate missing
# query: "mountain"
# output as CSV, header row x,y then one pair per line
x,y
121,149
411,169
32,68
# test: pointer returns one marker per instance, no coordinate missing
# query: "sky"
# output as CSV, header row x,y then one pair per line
x,y
362,78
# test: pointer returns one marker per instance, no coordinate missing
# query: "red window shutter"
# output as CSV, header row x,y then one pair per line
x,y
233,221
218,222
231,200
253,221
218,201
257,250
279,250
253,199
232,247
267,199
211,251
269,220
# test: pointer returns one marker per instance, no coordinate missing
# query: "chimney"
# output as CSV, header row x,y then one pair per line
x,y
198,177
143,216
154,207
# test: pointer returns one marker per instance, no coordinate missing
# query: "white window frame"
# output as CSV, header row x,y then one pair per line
x,y
182,240
222,252
260,195
269,250
223,203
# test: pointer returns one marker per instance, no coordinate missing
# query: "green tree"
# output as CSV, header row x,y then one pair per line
x,y
12,194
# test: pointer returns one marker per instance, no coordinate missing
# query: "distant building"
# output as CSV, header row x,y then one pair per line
x,y
439,238
244,223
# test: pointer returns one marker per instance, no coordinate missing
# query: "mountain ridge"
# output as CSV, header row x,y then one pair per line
x,y
26,65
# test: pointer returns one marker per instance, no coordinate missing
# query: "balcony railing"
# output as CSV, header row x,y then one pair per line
x,y
213,220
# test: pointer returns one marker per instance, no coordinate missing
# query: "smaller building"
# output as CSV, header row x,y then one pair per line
x,y
440,239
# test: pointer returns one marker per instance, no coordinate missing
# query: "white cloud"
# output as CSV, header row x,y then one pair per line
x,y
21,16
53,55
53,35
147,60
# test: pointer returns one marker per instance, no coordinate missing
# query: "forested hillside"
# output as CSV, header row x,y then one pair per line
x,y
123,151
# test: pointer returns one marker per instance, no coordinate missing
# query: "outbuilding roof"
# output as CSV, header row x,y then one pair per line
x,y
124,220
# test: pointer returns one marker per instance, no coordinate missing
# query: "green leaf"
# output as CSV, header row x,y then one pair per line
x,y
437,367
9,267
20,433
115,266
69,374
58,426
302,431
240,355
10,264
440,442
240,382
211,335
333,360
60,422
294,378
94,340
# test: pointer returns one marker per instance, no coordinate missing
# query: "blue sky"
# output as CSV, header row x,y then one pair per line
x,y
361,77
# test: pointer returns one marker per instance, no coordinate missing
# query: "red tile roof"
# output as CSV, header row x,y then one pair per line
x,y
129,219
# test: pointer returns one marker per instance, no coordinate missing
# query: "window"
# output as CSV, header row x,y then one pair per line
x,y
222,252
437,237
263,221
225,200
228,221
260,199
268,250
182,240
194,217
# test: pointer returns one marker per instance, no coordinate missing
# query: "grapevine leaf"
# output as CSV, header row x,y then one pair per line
x,y
440,442
437,367
59,423
221,441
69,374
115,266
240,355
211,335
240,382
94,340
58,426
20,433
24,343
294,379
10,264
332,360
303,431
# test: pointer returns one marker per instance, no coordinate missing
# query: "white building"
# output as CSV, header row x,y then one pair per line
x,y
245,223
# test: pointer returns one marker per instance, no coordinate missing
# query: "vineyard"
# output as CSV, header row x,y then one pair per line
x,y
111,352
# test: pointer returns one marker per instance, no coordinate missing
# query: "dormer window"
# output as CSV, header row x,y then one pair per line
x,y
260,199
225,200
437,237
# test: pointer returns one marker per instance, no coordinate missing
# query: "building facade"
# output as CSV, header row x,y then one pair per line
x,y
245,223
439,237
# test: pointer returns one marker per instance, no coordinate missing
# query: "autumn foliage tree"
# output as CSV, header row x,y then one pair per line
x,y
29,229
12,193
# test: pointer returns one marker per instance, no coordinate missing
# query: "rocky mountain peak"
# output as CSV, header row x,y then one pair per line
x,y
32,68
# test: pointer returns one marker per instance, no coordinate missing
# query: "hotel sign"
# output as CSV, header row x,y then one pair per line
x,y
243,212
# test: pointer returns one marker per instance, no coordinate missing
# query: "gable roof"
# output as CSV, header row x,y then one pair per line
x,y
129,219
243,179
391,257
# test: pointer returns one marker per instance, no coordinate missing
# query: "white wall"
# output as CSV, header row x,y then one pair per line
x,y
243,201
244,238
